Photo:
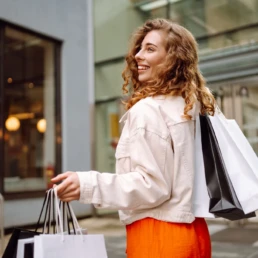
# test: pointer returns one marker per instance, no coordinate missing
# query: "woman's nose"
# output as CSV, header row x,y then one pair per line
x,y
139,56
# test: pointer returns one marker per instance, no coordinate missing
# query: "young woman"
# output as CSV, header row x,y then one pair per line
x,y
153,184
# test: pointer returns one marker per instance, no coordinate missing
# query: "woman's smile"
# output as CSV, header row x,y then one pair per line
x,y
151,54
142,68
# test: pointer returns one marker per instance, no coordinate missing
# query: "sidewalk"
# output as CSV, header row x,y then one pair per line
x,y
229,240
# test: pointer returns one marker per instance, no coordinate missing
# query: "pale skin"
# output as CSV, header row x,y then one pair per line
x,y
151,54
69,189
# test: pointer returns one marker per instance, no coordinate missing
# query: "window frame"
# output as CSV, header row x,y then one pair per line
x,y
57,111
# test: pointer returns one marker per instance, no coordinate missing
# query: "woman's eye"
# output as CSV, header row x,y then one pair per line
x,y
150,49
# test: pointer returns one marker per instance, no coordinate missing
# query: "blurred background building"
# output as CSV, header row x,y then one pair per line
x,y
46,93
61,65
227,33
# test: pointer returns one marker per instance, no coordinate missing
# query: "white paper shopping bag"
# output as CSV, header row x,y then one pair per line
x,y
70,246
61,245
38,250
240,160
200,200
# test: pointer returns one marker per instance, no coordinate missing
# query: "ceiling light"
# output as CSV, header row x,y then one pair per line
x,y
155,4
12,124
42,125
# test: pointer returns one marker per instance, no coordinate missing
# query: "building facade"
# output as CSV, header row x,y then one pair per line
x,y
46,100
227,34
60,83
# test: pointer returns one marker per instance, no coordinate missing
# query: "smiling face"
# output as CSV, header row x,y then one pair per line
x,y
151,54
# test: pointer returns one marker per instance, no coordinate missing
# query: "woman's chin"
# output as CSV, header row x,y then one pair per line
x,y
143,79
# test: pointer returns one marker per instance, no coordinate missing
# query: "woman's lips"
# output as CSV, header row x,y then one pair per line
x,y
142,68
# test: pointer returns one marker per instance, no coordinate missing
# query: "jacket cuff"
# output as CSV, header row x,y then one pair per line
x,y
86,187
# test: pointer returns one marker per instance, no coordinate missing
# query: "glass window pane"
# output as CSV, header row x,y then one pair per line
x,y
249,96
108,130
204,17
207,17
29,145
239,102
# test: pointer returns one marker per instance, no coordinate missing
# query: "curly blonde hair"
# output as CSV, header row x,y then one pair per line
x,y
177,75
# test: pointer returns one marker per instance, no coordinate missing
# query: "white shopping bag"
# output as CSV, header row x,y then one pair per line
x,y
61,245
200,200
240,160
69,246
21,246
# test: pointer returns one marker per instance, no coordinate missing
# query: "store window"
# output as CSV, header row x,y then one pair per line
x,y
239,101
30,117
108,131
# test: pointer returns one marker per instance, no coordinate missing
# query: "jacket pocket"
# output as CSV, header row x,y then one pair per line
x,y
122,158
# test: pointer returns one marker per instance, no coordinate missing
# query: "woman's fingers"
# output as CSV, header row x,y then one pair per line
x,y
71,193
68,199
70,196
61,177
69,188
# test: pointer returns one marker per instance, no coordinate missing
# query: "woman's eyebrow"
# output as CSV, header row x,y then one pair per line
x,y
150,44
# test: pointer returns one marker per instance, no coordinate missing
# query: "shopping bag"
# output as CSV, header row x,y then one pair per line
x,y
63,245
201,199
19,233
240,160
25,248
69,246
223,199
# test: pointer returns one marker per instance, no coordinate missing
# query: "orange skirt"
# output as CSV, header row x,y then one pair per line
x,y
151,238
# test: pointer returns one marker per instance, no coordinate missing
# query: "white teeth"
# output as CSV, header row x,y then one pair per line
x,y
141,67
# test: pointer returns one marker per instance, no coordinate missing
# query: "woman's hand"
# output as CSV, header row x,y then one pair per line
x,y
69,189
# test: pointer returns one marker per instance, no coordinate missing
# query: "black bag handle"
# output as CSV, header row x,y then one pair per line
x,y
45,205
45,211
47,219
47,214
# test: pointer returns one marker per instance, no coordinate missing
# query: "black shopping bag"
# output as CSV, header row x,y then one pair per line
x,y
223,200
18,233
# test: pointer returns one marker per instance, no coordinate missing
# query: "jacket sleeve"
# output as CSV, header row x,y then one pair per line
x,y
146,186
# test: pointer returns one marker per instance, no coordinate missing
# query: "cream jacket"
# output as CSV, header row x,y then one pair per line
x,y
154,165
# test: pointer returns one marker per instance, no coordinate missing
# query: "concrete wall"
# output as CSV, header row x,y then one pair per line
x,y
69,21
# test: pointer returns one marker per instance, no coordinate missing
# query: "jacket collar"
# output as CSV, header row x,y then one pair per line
x,y
124,117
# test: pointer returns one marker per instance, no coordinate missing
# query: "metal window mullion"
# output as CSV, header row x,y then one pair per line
x,y
57,104
2,111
